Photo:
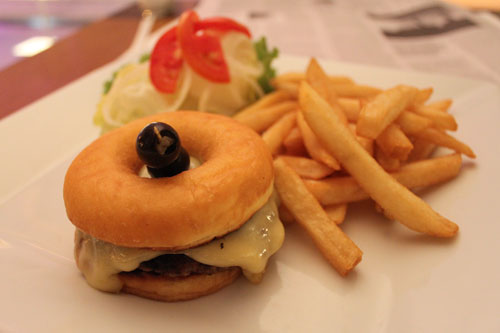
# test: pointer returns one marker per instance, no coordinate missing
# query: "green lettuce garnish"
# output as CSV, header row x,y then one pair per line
x,y
107,85
266,56
145,57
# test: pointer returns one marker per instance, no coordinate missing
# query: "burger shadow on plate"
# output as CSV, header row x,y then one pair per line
x,y
236,307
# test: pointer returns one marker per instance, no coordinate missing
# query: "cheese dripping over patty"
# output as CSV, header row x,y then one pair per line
x,y
249,247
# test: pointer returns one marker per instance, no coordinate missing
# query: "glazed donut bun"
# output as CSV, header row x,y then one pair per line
x,y
105,197
154,222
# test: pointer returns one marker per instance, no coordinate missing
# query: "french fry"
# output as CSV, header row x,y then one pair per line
x,y
387,162
320,82
429,172
421,174
422,96
307,168
291,88
336,190
422,149
386,107
394,143
313,146
268,100
442,105
393,197
339,79
259,119
336,213
351,107
440,138
409,122
336,247
412,123
275,134
285,215
440,119
295,77
366,143
356,90
293,143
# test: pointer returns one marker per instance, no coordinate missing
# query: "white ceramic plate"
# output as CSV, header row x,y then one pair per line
x,y
406,282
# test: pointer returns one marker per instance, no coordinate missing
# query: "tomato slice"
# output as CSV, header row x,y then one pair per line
x,y
202,51
166,62
197,41
221,24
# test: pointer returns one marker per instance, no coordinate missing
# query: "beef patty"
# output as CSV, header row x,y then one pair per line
x,y
175,265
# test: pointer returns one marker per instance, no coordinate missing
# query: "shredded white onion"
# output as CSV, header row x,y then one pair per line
x,y
254,85
204,98
239,67
133,95
106,110
186,78
236,95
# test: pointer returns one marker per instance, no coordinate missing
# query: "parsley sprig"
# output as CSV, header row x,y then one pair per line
x,y
266,56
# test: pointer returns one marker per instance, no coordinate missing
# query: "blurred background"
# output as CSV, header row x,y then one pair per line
x,y
28,27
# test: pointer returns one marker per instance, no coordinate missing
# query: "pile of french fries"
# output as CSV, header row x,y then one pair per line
x,y
337,142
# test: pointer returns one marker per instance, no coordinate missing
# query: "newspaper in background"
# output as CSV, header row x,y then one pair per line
x,y
429,36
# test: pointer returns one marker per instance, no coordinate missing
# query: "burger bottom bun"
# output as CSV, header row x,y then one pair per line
x,y
167,289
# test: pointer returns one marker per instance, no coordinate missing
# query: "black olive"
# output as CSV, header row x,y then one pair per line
x,y
176,167
159,147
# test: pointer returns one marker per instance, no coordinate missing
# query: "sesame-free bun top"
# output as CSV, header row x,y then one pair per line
x,y
105,197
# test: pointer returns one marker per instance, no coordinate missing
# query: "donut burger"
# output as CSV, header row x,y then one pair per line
x,y
182,232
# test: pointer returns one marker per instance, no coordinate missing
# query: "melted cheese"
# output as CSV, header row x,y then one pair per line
x,y
249,247
100,262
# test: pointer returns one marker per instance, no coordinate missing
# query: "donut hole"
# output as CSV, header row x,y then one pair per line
x,y
194,162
